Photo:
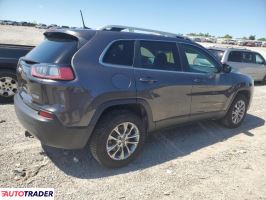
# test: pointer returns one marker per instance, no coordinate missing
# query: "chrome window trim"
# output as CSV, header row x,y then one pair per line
x,y
141,68
130,66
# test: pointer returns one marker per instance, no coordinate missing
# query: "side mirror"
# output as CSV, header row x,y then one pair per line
x,y
226,68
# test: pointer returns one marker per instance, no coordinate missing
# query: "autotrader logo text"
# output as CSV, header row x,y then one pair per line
x,y
27,193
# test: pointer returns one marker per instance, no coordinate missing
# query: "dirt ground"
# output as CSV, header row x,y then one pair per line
x,y
199,161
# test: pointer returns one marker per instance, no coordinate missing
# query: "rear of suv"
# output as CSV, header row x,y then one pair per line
x,y
243,60
109,89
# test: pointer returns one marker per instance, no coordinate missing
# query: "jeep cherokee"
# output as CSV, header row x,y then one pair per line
x,y
110,88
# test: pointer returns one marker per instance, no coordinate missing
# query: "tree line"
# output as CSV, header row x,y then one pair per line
x,y
227,36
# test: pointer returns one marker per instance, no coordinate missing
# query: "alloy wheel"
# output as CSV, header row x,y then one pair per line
x,y
8,86
238,111
123,141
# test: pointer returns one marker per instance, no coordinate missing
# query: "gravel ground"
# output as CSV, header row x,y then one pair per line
x,y
199,161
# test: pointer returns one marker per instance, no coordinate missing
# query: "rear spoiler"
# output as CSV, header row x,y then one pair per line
x,y
80,35
60,35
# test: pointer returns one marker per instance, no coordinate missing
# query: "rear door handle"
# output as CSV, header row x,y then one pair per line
x,y
197,80
147,80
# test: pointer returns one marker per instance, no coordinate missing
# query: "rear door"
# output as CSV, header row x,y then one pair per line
x,y
161,82
234,59
259,67
243,61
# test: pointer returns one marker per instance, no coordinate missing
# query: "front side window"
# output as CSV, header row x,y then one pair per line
x,y
259,59
159,55
235,56
197,60
120,53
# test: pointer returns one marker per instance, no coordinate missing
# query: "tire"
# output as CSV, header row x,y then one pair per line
x,y
228,120
264,81
104,132
8,86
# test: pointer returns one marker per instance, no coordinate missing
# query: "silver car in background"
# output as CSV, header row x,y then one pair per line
x,y
242,60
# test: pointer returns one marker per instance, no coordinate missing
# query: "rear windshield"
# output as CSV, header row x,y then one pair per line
x,y
217,53
53,51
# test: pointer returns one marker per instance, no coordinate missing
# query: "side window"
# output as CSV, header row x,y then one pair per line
x,y
159,55
198,61
247,57
235,56
259,59
120,53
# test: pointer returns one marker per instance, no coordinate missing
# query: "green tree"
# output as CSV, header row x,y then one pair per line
x,y
252,37
228,36
262,39
192,34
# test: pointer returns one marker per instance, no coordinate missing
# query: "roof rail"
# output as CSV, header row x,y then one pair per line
x,y
120,28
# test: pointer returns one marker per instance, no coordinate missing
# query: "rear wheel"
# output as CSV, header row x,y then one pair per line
x,y
8,86
236,113
117,139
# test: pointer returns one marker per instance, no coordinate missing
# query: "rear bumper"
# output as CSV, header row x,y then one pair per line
x,y
50,132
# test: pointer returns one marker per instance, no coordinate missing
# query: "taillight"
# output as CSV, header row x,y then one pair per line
x,y
53,72
46,115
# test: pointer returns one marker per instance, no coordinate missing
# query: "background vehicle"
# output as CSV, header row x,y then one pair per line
x,y
41,26
52,26
243,60
112,98
10,55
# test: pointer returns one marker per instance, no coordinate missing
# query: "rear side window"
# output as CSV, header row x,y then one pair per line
x,y
120,53
235,56
247,57
241,56
159,55
54,50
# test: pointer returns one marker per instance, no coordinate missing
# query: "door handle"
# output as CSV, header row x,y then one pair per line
x,y
197,80
147,80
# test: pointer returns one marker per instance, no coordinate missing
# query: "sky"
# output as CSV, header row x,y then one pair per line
x,y
217,17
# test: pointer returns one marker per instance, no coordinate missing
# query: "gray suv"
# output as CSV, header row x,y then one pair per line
x,y
109,88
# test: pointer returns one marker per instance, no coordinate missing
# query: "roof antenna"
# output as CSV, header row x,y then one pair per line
x,y
83,20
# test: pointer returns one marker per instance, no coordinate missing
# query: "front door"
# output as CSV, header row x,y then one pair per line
x,y
209,87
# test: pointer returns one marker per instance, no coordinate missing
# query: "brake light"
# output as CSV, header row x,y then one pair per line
x,y
46,114
53,72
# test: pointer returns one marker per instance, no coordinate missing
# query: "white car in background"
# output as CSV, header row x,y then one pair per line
x,y
242,60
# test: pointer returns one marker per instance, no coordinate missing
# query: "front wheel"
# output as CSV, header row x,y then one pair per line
x,y
264,80
236,113
117,139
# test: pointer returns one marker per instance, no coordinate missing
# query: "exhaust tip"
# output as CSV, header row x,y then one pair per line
x,y
27,134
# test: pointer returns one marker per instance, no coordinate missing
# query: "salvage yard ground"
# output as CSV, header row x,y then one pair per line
x,y
199,161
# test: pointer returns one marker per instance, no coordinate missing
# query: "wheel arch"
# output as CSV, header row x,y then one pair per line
x,y
247,93
139,107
